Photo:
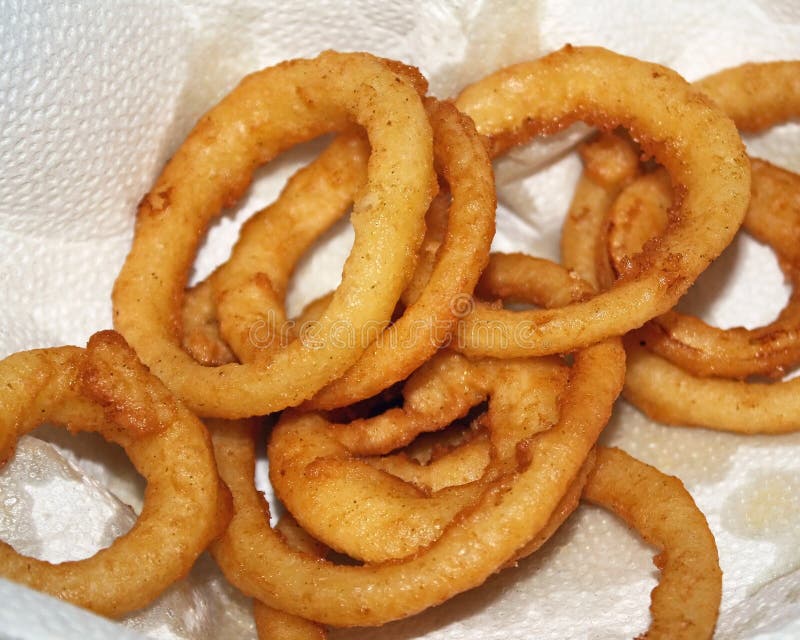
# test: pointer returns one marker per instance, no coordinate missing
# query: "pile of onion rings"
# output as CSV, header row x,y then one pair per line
x,y
419,424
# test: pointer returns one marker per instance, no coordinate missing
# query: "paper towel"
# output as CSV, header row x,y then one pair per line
x,y
97,95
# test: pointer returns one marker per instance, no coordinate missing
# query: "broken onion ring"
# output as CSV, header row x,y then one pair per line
x,y
685,603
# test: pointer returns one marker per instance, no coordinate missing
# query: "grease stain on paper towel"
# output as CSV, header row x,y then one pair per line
x,y
767,508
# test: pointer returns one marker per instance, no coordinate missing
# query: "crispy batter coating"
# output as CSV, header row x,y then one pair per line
x,y
685,603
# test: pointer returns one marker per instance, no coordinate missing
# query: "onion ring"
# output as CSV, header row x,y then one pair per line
x,y
713,403
685,604
665,115
427,323
251,286
273,624
268,112
106,389
241,303
719,403
756,95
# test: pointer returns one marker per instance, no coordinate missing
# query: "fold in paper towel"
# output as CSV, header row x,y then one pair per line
x,y
96,96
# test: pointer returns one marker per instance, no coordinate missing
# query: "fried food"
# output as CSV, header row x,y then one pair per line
x,y
352,506
516,278
315,197
427,431
428,321
680,369
243,299
665,116
610,162
510,513
268,112
272,624
686,341
106,389
685,604
756,95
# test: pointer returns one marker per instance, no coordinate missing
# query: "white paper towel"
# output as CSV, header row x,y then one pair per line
x,y
96,95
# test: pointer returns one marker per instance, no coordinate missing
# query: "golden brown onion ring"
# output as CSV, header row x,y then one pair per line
x,y
665,116
668,394
718,403
268,112
756,95
243,299
685,604
427,323
510,513
106,389
686,341
273,624
371,515
610,162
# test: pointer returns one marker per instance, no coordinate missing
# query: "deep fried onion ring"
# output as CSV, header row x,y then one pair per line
x,y
666,116
248,300
106,389
273,624
509,514
269,112
686,341
429,320
373,516
719,403
241,302
685,604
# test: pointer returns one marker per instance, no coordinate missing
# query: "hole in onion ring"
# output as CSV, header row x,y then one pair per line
x,y
319,271
104,462
724,294
35,486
